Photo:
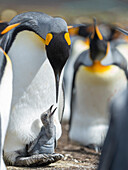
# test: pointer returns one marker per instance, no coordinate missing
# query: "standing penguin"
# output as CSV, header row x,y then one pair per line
x,y
5,99
34,80
96,80
115,154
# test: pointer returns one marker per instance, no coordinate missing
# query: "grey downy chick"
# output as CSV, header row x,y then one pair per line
x,y
40,152
45,142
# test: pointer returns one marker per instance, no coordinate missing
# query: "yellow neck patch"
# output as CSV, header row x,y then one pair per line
x,y
7,57
98,68
67,38
87,42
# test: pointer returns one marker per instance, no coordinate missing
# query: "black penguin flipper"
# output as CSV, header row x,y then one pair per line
x,y
122,30
85,60
38,22
114,57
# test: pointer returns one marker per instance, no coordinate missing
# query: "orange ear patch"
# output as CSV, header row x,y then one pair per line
x,y
67,38
49,37
10,27
69,27
73,31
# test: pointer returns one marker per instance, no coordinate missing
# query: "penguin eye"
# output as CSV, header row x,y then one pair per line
x,y
67,38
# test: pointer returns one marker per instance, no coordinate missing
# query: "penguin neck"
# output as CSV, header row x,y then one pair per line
x,y
57,80
97,67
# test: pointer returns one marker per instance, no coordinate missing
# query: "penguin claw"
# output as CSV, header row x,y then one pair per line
x,y
38,160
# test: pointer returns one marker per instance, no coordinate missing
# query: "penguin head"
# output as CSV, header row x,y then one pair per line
x,y
47,116
98,45
57,49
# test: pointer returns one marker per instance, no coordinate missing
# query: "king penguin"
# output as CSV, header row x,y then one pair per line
x,y
114,153
99,73
6,77
36,75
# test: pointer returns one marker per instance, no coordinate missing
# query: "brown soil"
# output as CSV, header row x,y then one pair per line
x,y
75,156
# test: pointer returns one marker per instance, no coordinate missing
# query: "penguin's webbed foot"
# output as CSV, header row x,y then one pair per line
x,y
38,160
94,147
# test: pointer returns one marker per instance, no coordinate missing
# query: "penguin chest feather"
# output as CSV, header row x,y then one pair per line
x,y
5,99
94,90
5,96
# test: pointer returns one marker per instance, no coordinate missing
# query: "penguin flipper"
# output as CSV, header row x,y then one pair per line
x,y
122,30
38,160
116,58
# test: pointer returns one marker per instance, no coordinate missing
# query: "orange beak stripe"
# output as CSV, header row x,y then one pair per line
x,y
99,34
10,27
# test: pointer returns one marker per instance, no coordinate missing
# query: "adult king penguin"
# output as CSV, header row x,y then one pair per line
x,y
34,80
80,42
5,99
115,154
97,78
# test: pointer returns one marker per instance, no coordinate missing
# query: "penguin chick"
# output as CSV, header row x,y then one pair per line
x,y
41,150
44,143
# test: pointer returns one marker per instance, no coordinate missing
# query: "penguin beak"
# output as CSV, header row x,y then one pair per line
x,y
51,112
10,27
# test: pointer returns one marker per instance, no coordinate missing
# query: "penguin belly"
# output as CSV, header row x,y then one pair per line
x,y
78,47
33,94
5,104
90,114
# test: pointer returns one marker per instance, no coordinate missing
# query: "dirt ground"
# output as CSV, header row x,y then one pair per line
x,y
75,156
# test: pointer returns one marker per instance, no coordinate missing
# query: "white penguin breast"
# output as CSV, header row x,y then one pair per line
x,y
27,55
94,92
5,98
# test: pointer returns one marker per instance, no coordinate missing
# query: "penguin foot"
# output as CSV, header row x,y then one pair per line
x,y
95,147
38,160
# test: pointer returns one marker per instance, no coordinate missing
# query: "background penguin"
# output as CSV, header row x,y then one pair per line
x,y
95,81
80,42
115,151
34,88
5,99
